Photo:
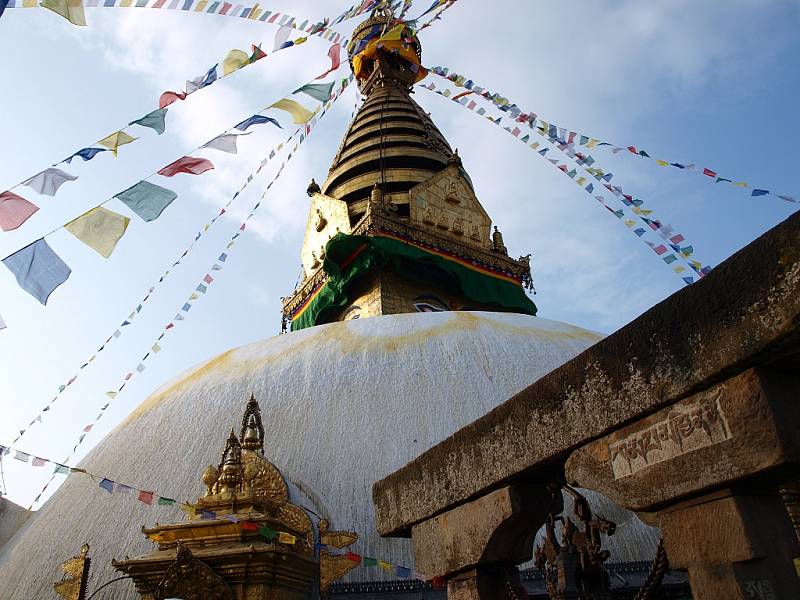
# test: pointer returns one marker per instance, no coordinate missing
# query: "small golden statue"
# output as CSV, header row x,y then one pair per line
x,y
76,575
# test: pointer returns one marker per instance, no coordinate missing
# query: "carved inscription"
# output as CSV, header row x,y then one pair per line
x,y
759,589
686,428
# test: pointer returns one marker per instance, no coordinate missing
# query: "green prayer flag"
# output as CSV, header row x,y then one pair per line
x,y
267,532
61,470
165,501
147,200
318,91
369,562
153,120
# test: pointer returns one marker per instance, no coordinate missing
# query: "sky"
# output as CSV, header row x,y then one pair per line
x,y
712,83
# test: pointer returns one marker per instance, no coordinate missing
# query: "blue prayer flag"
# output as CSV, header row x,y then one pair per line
x,y
85,153
256,120
211,76
403,572
107,485
38,269
759,192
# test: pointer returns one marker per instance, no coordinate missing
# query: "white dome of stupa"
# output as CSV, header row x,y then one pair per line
x,y
343,405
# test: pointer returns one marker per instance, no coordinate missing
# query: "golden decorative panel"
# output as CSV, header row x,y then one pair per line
x,y
326,217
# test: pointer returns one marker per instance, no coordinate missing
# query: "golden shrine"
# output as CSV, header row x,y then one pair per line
x,y
245,539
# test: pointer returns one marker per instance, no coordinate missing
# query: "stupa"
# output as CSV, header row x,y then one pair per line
x,y
412,321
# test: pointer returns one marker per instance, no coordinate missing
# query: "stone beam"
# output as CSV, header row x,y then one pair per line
x,y
745,313
740,428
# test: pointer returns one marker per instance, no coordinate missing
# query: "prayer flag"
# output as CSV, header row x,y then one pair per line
x,y
356,558
385,566
208,279
201,288
146,199
369,562
256,120
154,120
100,229
123,489
334,53
48,181
709,173
758,192
85,154
267,532
14,210
38,462
107,485
22,456
168,98
250,526
71,10
88,428
187,164
115,140
38,269
235,60
299,112
281,36
257,54
61,470
403,572
318,91
146,497
286,538
165,501
225,142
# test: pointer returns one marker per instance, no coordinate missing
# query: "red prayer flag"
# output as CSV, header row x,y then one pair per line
x,y
168,98
38,462
632,149
146,497
709,172
660,249
208,279
334,54
356,558
187,164
248,526
88,428
258,53
14,210
437,583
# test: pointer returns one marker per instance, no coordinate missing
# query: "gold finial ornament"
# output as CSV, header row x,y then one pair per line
x,y
230,465
76,575
210,477
252,433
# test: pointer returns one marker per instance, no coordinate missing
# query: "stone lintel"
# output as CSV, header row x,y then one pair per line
x,y
736,429
745,313
496,528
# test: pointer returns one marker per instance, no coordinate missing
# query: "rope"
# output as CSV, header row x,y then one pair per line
x,y
658,569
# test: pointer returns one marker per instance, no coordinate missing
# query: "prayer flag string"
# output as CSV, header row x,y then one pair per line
x,y
587,141
672,239
154,498
201,289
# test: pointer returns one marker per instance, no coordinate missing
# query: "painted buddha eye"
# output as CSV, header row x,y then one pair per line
x,y
354,312
430,303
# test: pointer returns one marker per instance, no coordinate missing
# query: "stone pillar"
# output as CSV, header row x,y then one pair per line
x,y
733,546
477,546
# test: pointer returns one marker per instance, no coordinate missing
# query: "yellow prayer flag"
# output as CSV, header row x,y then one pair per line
x,y
741,184
71,10
100,229
257,10
286,538
126,3
111,395
201,6
236,59
663,163
115,140
29,4
592,143
385,566
534,145
395,33
629,222
299,112
679,269
300,40
581,181
187,508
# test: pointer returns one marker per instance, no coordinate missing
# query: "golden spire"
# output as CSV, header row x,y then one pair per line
x,y
252,433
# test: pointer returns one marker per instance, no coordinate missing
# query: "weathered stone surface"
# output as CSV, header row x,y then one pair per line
x,y
745,313
496,528
737,428
733,547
